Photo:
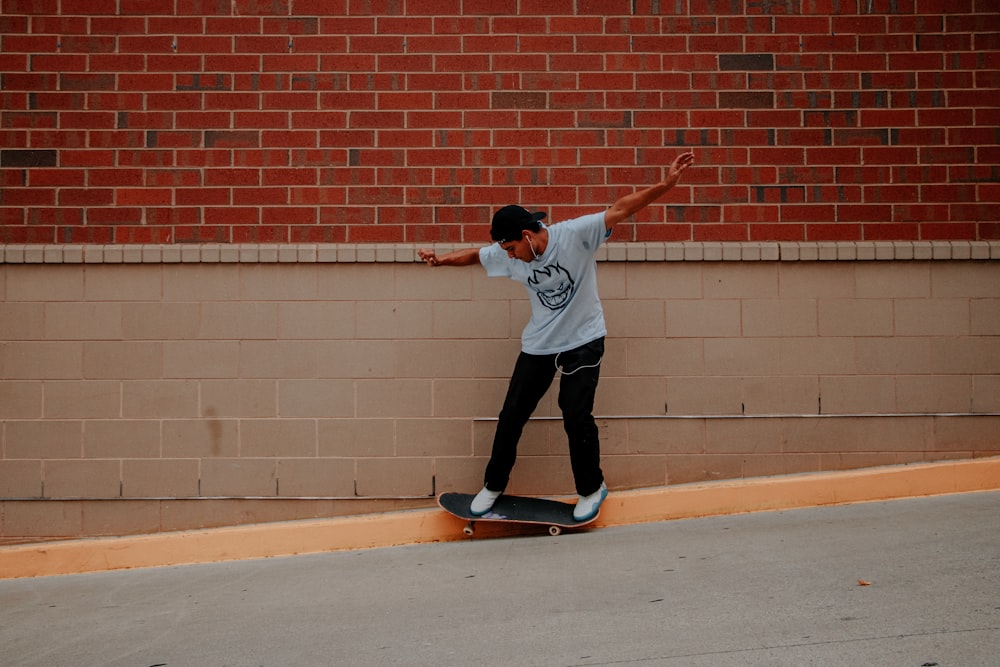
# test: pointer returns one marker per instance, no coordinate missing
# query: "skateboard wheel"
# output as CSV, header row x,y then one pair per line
x,y
470,529
555,530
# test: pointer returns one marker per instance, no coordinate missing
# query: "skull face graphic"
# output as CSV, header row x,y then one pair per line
x,y
554,286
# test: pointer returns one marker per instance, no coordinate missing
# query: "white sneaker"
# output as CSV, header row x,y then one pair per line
x,y
483,502
588,506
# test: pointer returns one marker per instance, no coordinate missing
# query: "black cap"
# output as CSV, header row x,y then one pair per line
x,y
510,221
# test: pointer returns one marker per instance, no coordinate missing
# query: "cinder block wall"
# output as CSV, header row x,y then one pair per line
x,y
147,388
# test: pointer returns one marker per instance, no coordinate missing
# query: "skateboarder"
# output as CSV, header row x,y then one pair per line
x,y
565,333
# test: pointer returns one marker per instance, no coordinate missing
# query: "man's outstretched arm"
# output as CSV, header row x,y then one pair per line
x,y
635,202
464,257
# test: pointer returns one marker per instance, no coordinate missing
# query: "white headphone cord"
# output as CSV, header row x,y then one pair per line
x,y
558,368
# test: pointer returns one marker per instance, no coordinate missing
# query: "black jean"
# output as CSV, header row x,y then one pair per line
x,y
532,376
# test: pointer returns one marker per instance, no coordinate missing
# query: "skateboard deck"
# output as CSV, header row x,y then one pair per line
x,y
514,509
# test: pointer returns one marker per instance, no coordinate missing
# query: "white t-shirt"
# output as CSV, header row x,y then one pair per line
x,y
562,285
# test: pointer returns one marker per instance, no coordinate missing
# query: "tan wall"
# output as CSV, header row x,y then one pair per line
x,y
148,388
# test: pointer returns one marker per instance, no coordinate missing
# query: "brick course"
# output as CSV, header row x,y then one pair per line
x,y
322,122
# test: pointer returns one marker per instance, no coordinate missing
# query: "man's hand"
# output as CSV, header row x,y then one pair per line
x,y
464,257
680,163
428,256
635,202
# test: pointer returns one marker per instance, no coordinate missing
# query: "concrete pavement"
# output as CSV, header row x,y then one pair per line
x,y
772,588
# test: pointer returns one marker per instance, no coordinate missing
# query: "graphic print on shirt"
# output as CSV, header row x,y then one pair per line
x,y
554,286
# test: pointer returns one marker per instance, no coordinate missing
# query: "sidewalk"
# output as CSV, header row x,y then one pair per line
x,y
772,588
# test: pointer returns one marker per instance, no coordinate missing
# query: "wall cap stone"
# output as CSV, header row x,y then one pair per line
x,y
405,253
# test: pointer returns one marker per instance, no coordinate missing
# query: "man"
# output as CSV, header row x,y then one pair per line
x,y
565,333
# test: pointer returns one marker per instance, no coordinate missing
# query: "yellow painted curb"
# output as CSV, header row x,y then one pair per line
x,y
433,525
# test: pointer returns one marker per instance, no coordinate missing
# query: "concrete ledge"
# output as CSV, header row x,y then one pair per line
x,y
433,525
406,253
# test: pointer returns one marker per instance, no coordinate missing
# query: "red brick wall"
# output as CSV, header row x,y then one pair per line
x,y
175,121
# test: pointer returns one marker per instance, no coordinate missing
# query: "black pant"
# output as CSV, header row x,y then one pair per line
x,y
533,374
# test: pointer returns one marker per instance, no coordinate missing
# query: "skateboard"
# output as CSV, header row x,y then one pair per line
x,y
514,509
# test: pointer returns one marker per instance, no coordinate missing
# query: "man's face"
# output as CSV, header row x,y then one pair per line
x,y
519,249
